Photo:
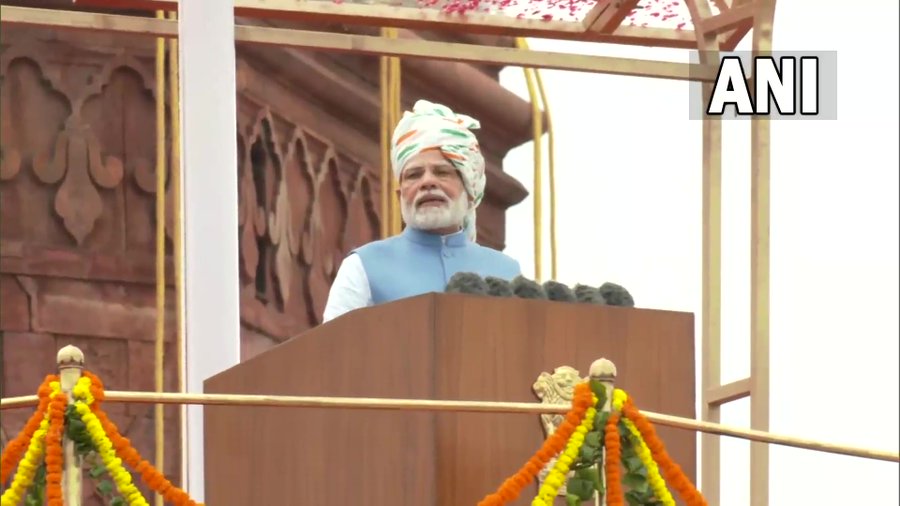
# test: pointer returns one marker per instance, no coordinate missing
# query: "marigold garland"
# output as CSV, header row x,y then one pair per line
x,y
557,475
53,456
12,454
618,399
41,438
656,481
553,445
672,471
27,467
153,478
615,496
121,477
82,390
34,452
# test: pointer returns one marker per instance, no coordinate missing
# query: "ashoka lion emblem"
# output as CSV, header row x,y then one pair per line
x,y
555,388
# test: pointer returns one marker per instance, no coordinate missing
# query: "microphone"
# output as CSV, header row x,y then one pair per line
x,y
558,291
607,294
616,295
467,282
525,288
588,295
498,287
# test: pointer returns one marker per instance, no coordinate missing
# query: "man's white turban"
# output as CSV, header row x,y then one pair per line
x,y
435,126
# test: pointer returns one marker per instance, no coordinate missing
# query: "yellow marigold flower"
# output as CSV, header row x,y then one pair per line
x,y
619,398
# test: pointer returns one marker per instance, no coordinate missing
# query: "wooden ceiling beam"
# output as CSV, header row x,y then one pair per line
x,y
364,44
382,15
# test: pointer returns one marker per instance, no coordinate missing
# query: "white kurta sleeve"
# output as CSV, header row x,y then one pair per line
x,y
350,289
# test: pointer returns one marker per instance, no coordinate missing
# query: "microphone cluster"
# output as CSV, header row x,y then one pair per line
x,y
609,294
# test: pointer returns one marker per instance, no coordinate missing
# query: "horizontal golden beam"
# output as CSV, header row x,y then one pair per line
x,y
458,406
382,15
52,18
474,53
366,44
716,396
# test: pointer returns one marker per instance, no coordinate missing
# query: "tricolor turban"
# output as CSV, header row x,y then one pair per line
x,y
435,126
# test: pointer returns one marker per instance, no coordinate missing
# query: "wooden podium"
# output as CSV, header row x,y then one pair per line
x,y
435,346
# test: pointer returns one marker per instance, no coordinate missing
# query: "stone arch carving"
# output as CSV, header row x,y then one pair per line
x,y
81,163
264,166
363,224
19,146
331,222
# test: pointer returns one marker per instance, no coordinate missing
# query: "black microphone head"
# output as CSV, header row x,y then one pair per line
x,y
558,291
527,289
616,295
588,295
466,282
498,287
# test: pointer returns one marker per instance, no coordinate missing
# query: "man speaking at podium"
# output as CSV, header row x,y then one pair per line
x,y
441,175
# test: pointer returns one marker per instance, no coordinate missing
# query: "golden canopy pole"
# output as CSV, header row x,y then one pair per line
x,y
177,216
551,167
384,85
537,96
394,111
160,246
391,109
536,123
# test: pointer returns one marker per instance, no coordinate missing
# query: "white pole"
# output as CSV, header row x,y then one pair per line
x,y
70,362
210,205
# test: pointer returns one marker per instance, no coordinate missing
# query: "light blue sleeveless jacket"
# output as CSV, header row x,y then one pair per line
x,y
416,262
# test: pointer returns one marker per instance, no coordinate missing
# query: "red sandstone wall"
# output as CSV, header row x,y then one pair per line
x,y
77,197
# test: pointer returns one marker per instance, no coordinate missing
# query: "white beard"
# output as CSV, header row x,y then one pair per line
x,y
430,218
